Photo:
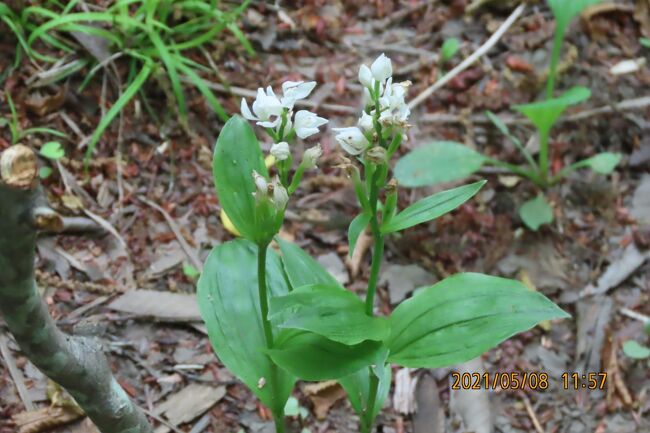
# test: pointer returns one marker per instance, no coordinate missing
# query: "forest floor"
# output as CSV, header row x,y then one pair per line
x,y
158,213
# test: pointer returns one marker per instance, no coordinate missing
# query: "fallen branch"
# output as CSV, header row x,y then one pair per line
x,y
483,49
76,363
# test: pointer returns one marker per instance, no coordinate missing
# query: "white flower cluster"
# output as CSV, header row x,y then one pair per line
x,y
390,97
271,111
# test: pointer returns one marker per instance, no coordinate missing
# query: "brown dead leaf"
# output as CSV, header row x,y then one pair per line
x,y
44,419
41,105
616,384
354,263
642,16
324,395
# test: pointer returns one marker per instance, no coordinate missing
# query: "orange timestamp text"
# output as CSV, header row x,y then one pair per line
x,y
500,380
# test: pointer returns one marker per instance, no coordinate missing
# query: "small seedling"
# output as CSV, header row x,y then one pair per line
x,y
276,315
448,50
447,161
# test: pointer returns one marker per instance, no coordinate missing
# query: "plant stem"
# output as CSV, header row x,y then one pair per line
x,y
555,58
543,156
268,332
378,248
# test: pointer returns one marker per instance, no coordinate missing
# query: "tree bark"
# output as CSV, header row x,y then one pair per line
x,y
76,363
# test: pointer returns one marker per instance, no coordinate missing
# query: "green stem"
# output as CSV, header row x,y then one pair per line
x,y
378,248
543,156
555,58
268,332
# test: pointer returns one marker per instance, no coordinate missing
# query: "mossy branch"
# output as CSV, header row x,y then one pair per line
x,y
76,363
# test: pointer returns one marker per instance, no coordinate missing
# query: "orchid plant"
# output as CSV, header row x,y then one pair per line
x,y
275,315
445,161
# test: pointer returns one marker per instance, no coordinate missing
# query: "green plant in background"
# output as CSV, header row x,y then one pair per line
x,y
17,133
15,24
52,151
448,50
274,317
645,42
153,35
447,161
635,350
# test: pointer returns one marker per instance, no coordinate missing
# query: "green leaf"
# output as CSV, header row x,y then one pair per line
x,y
45,172
330,311
357,386
292,408
449,49
119,105
635,350
440,161
229,304
564,11
544,114
236,155
310,356
461,317
432,207
536,212
357,226
645,42
190,271
52,150
603,163
301,268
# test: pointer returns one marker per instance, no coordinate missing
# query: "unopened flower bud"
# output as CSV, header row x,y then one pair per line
x,y
365,76
391,186
381,68
376,155
280,196
280,150
311,156
260,182
366,122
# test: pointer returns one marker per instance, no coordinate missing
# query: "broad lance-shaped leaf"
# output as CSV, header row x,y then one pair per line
x,y
301,268
565,10
330,311
357,386
236,155
357,226
229,304
311,356
461,317
437,162
432,207
536,212
603,163
544,114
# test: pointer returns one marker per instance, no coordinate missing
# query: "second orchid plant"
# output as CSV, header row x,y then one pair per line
x,y
276,317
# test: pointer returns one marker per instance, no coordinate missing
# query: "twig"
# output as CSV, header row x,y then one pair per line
x,y
531,414
634,315
16,375
189,251
162,421
471,59
628,104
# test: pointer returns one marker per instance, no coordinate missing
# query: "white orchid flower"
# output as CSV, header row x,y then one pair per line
x,y
307,123
381,68
267,108
352,140
311,156
294,91
394,108
366,122
261,185
280,150
365,77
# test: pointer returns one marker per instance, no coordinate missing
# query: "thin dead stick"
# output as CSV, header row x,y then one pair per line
x,y
628,104
189,251
15,374
533,417
483,49
634,315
